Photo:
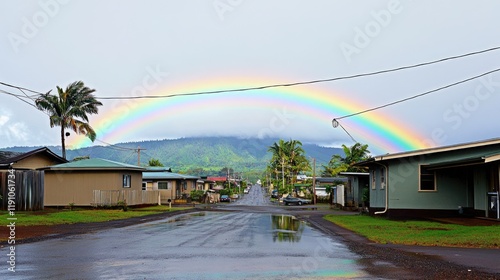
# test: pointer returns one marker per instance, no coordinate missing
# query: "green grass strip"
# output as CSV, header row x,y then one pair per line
x,y
58,217
415,232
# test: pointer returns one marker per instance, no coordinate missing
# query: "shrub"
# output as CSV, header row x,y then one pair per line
x,y
122,205
197,195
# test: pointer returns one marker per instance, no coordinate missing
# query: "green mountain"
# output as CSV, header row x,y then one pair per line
x,y
198,155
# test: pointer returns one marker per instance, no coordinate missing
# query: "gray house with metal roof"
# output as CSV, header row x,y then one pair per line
x,y
173,186
451,180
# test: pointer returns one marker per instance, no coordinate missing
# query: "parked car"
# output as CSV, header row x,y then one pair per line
x,y
295,201
245,191
274,194
225,198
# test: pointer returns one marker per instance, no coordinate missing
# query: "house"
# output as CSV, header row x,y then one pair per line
x,y
173,186
205,184
355,186
31,160
28,181
95,182
443,181
337,185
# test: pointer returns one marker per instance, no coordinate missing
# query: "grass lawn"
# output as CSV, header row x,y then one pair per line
x,y
57,217
426,233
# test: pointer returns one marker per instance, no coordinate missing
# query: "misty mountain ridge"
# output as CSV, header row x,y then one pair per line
x,y
194,154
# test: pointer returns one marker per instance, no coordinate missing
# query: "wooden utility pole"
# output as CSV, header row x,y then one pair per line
x,y
314,180
139,155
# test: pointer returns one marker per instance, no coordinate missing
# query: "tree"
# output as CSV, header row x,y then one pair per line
x,y
352,155
155,162
70,109
288,158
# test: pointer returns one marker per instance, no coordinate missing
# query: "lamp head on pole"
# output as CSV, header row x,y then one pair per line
x,y
335,123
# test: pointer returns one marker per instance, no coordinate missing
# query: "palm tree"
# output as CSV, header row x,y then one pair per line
x,y
289,154
69,109
352,155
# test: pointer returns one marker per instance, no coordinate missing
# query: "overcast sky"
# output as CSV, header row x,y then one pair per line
x,y
127,48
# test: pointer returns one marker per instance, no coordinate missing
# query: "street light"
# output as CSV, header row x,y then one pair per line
x,y
335,123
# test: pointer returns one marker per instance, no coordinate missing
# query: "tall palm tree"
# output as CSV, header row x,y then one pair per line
x,y
69,109
289,154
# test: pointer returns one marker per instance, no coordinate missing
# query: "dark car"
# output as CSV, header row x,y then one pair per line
x,y
225,198
295,201
274,194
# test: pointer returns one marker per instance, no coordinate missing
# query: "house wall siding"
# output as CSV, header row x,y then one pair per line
x,y
62,188
480,189
34,162
452,183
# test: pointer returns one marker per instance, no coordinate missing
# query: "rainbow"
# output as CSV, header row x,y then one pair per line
x,y
382,133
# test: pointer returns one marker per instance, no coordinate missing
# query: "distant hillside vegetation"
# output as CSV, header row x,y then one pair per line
x,y
197,156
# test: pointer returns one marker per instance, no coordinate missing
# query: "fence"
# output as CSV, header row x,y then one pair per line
x,y
28,189
131,197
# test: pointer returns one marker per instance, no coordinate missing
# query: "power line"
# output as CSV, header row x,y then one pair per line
x,y
116,147
20,97
304,82
21,88
336,123
285,84
418,95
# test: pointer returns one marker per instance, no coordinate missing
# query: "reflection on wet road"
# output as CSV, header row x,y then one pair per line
x,y
197,246
204,245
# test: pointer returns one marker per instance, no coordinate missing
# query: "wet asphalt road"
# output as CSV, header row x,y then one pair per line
x,y
204,245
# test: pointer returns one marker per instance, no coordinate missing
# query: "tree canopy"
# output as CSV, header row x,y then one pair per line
x,y
69,109
354,154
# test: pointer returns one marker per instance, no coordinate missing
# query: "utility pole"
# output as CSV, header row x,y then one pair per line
x,y
314,180
283,171
139,155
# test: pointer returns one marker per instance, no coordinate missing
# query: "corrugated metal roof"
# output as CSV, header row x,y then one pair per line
x,y
494,141
95,164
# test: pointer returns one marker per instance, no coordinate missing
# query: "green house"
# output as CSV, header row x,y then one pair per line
x,y
444,181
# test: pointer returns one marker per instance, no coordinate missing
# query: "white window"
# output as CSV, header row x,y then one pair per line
x,y
127,178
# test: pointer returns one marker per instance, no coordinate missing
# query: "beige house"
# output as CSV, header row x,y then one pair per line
x,y
31,160
28,180
94,182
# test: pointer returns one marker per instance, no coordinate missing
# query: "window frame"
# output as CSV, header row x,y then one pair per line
x,y
426,176
163,182
127,181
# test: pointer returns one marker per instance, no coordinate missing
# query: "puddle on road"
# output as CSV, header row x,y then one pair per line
x,y
286,228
